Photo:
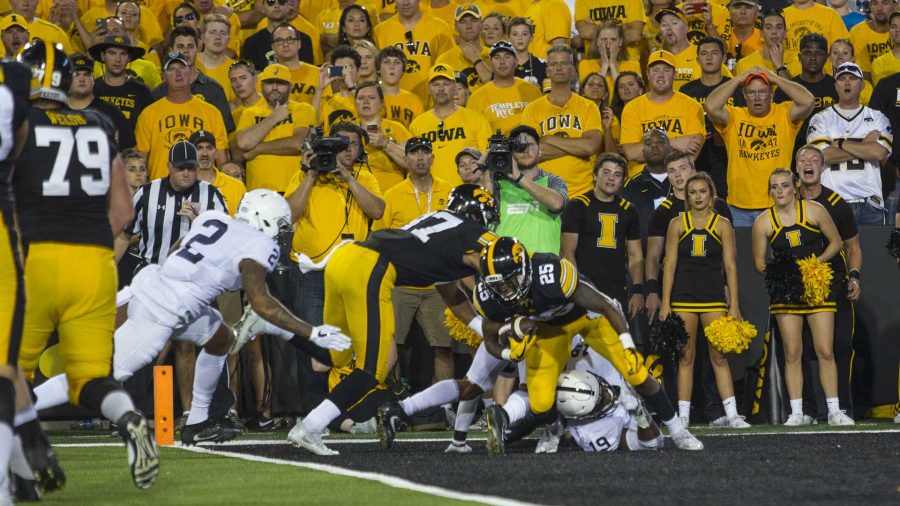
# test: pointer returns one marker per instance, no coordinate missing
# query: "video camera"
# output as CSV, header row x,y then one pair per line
x,y
325,149
500,149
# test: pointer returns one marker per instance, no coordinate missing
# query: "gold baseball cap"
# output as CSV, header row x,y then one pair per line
x,y
661,56
275,72
441,70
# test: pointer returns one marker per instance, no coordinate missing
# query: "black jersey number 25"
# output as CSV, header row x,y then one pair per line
x,y
194,257
91,148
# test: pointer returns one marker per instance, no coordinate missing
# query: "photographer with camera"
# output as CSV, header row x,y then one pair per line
x,y
269,134
333,200
530,199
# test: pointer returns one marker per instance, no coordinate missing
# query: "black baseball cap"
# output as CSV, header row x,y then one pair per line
x,y
81,61
502,45
173,56
202,136
415,143
183,154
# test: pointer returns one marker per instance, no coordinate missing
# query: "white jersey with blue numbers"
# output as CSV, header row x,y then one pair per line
x,y
600,434
204,266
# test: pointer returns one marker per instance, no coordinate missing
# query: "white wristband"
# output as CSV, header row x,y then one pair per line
x,y
627,341
505,354
476,325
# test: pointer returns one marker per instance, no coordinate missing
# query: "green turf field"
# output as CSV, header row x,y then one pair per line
x,y
98,474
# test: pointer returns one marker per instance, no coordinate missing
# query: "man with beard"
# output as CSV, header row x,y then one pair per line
x,y
872,38
14,33
270,134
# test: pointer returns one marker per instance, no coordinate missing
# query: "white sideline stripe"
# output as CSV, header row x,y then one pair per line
x,y
391,481
265,442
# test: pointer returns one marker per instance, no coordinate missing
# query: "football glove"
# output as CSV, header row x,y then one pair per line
x,y
329,337
522,333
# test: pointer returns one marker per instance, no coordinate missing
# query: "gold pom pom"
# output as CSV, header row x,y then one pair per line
x,y
459,330
729,335
817,278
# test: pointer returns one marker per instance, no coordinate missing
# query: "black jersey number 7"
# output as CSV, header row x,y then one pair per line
x,y
430,224
194,257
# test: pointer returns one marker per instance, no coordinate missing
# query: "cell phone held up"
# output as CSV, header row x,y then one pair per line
x,y
335,71
102,24
695,8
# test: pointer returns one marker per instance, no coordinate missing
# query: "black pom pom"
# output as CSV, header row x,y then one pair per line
x,y
668,337
783,280
893,244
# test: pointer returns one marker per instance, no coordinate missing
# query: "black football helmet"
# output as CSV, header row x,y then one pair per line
x,y
51,72
506,269
473,202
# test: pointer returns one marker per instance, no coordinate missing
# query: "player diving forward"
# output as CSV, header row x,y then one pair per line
x,y
436,248
548,289
218,254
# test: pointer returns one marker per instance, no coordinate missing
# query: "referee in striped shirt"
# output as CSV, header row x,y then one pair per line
x,y
164,208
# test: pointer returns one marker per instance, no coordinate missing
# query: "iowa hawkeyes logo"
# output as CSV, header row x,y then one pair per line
x,y
517,253
339,116
801,32
472,78
695,35
441,68
178,134
412,67
757,145
484,197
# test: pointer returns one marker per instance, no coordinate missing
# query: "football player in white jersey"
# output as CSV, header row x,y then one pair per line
x,y
855,139
218,254
599,408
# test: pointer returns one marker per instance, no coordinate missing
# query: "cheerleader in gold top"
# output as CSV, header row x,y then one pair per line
x,y
699,244
801,228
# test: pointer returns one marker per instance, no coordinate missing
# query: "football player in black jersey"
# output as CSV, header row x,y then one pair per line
x,y
14,79
549,290
73,198
436,248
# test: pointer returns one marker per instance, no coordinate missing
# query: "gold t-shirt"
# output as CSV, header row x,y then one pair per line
x,y
503,106
815,19
403,107
403,203
428,40
462,129
274,171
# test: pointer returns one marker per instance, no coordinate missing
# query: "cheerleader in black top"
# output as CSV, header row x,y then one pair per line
x,y
801,228
699,245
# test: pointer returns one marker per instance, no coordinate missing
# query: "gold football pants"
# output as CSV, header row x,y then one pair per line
x,y
546,358
12,289
359,283
73,291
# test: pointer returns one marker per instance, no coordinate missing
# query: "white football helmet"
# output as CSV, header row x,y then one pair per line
x,y
582,395
264,210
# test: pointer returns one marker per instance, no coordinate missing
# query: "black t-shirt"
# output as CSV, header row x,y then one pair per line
x,y
430,249
826,96
842,216
258,45
886,99
604,229
646,193
673,207
130,98
534,70
67,205
124,130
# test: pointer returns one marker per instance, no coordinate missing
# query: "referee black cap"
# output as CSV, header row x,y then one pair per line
x,y
183,154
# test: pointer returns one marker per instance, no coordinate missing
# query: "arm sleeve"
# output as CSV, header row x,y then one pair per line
x,y
558,185
844,220
818,132
633,230
571,216
884,126
631,127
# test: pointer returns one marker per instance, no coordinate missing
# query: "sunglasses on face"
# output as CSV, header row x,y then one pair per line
x,y
271,3
187,17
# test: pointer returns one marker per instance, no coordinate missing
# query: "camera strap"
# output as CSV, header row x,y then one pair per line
x,y
418,204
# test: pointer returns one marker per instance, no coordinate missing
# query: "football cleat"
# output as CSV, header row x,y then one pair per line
x,y
24,490
143,456
458,448
390,419
497,425
797,420
42,459
249,326
309,441
840,418
684,440
181,421
207,432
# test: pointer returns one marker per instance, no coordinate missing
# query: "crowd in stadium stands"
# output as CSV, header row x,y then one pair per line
x,y
611,109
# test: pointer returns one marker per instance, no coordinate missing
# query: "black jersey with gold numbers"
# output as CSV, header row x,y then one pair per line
x,y
801,239
604,229
430,249
553,283
63,177
15,81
